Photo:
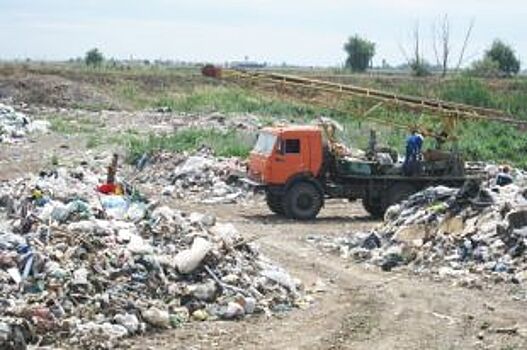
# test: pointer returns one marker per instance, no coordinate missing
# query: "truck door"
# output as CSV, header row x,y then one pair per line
x,y
290,160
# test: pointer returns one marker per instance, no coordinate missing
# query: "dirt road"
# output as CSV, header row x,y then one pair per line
x,y
359,309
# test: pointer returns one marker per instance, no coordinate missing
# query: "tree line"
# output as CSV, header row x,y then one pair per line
x,y
499,59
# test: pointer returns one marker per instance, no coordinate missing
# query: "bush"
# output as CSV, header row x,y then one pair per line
x,y
420,68
504,55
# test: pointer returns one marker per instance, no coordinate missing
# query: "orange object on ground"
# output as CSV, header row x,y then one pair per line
x,y
110,189
107,188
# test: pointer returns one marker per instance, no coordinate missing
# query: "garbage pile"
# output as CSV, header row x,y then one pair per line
x,y
473,233
200,177
15,125
85,262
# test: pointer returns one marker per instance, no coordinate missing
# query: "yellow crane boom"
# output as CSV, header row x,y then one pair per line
x,y
450,111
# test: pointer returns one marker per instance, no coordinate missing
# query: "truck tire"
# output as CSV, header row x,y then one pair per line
x,y
302,201
399,192
374,208
274,202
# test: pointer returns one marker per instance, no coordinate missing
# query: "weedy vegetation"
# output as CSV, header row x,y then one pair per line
x,y
184,90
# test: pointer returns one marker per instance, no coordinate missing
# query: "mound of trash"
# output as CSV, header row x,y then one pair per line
x,y
200,177
473,233
15,125
85,262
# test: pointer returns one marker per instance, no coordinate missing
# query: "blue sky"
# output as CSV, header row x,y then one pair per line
x,y
307,32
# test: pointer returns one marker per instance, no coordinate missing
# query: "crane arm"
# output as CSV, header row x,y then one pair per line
x,y
450,111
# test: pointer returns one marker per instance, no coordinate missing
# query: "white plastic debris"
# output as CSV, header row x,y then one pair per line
x,y
188,260
15,125
156,317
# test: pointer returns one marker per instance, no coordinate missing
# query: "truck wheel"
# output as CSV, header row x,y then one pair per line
x,y
374,208
274,202
399,192
302,202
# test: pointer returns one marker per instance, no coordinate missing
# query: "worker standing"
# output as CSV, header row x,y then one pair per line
x,y
414,144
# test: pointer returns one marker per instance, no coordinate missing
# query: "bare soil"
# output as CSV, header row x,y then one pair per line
x,y
360,308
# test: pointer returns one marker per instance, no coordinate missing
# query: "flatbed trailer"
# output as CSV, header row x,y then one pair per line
x,y
378,192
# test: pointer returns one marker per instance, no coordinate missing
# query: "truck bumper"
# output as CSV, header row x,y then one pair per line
x,y
252,184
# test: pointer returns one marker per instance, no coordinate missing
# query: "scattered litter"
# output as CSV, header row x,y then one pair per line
x,y
200,177
14,125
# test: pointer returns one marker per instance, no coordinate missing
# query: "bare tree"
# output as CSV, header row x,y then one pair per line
x,y
443,54
443,35
418,63
465,43
417,52
441,45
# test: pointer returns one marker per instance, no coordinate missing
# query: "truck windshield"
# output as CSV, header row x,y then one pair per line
x,y
265,143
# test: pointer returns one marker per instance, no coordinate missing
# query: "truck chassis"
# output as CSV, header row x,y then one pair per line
x,y
303,197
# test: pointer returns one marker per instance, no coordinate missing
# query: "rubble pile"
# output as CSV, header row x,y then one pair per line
x,y
15,125
85,268
473,233
201,177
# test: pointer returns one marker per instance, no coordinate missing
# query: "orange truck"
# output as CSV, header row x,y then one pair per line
x,y
298,171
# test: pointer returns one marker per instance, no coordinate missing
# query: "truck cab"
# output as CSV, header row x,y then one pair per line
x,y
283,153
287,161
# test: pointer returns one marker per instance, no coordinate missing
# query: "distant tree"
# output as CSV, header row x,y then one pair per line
x,y
504,55
93,58
360,52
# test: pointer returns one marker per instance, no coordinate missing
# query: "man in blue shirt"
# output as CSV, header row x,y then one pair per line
x,y
414,144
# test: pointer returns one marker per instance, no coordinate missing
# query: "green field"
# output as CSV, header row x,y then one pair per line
x,y
185,90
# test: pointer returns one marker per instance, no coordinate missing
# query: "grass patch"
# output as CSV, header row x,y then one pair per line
x,y
467,90
74,126
511,98
478,141
236,100
493,142
62,126
94,141
184,90
224,144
